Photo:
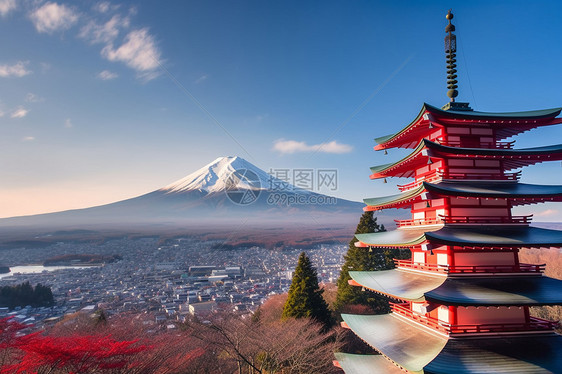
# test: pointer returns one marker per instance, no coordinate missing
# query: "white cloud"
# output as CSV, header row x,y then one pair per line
x,y
28,139
102,7
293,146
202,78
68,123
107,75
2,113
546,213
19,69
6,6
52,16
19,112
32,98
139,52
105,32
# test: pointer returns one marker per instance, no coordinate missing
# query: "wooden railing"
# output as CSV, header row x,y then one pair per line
x,y
535,324
481,176
418,222
432,177
488,145
469,269
486,219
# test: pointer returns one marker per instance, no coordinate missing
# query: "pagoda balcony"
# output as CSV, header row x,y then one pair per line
x,y
487,145
418,222
534,324
480,176
432,177
470,269
486,219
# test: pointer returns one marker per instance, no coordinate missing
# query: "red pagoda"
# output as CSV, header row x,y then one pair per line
x,y
461,303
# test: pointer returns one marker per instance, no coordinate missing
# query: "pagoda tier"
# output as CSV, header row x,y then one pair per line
x,y
417,349
490,290
514,193
433,160
476,128
463,298
465,236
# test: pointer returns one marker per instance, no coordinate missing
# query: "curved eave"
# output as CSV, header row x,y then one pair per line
x,y
398,284
474,114
507,124
365,364
511,158
393,201
462,291
531,354
399,238
497,236
517,193
393,169
466,235
383,141
498,291
406,344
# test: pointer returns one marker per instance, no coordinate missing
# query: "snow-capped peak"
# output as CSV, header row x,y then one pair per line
x,y
220,174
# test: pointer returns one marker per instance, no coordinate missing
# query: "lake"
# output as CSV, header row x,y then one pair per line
x,y
29,269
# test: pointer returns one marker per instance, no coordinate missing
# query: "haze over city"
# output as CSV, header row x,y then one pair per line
x,y
103,101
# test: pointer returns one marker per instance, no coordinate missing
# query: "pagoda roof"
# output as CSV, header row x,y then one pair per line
x,y
506,124
419,350
365,364
466,235
512,158
410,346
518,193
498,290
531,354
466,291
398,284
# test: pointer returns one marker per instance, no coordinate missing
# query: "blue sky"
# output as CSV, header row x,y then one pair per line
x,y
102,101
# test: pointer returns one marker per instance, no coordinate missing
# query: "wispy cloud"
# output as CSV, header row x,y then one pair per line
x,y
547,213
107,75
104,32
51,17
28,139
139,52
19,69
6,6
104,7
32,98
19,112
68,123
293,146
202,78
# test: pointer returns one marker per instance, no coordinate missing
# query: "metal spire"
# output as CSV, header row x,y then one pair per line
x,y
450,52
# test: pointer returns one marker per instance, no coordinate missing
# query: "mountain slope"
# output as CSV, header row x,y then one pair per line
x,y
229,189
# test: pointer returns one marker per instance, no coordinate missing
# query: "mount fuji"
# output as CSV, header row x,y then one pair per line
x,y
227,191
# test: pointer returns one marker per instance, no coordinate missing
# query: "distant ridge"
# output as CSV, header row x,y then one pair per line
x,y
208,195
229,199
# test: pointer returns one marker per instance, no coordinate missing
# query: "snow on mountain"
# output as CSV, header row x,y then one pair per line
x,y
223,174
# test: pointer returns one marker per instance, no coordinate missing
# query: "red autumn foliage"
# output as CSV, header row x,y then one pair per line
x,y
76,354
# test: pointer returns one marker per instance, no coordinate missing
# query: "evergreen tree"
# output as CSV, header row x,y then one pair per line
x,y
305,296
364,259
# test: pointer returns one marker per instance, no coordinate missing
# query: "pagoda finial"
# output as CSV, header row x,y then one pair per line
x,y
450,52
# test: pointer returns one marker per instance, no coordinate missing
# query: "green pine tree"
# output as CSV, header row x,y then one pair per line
x,y
364,259
305,296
